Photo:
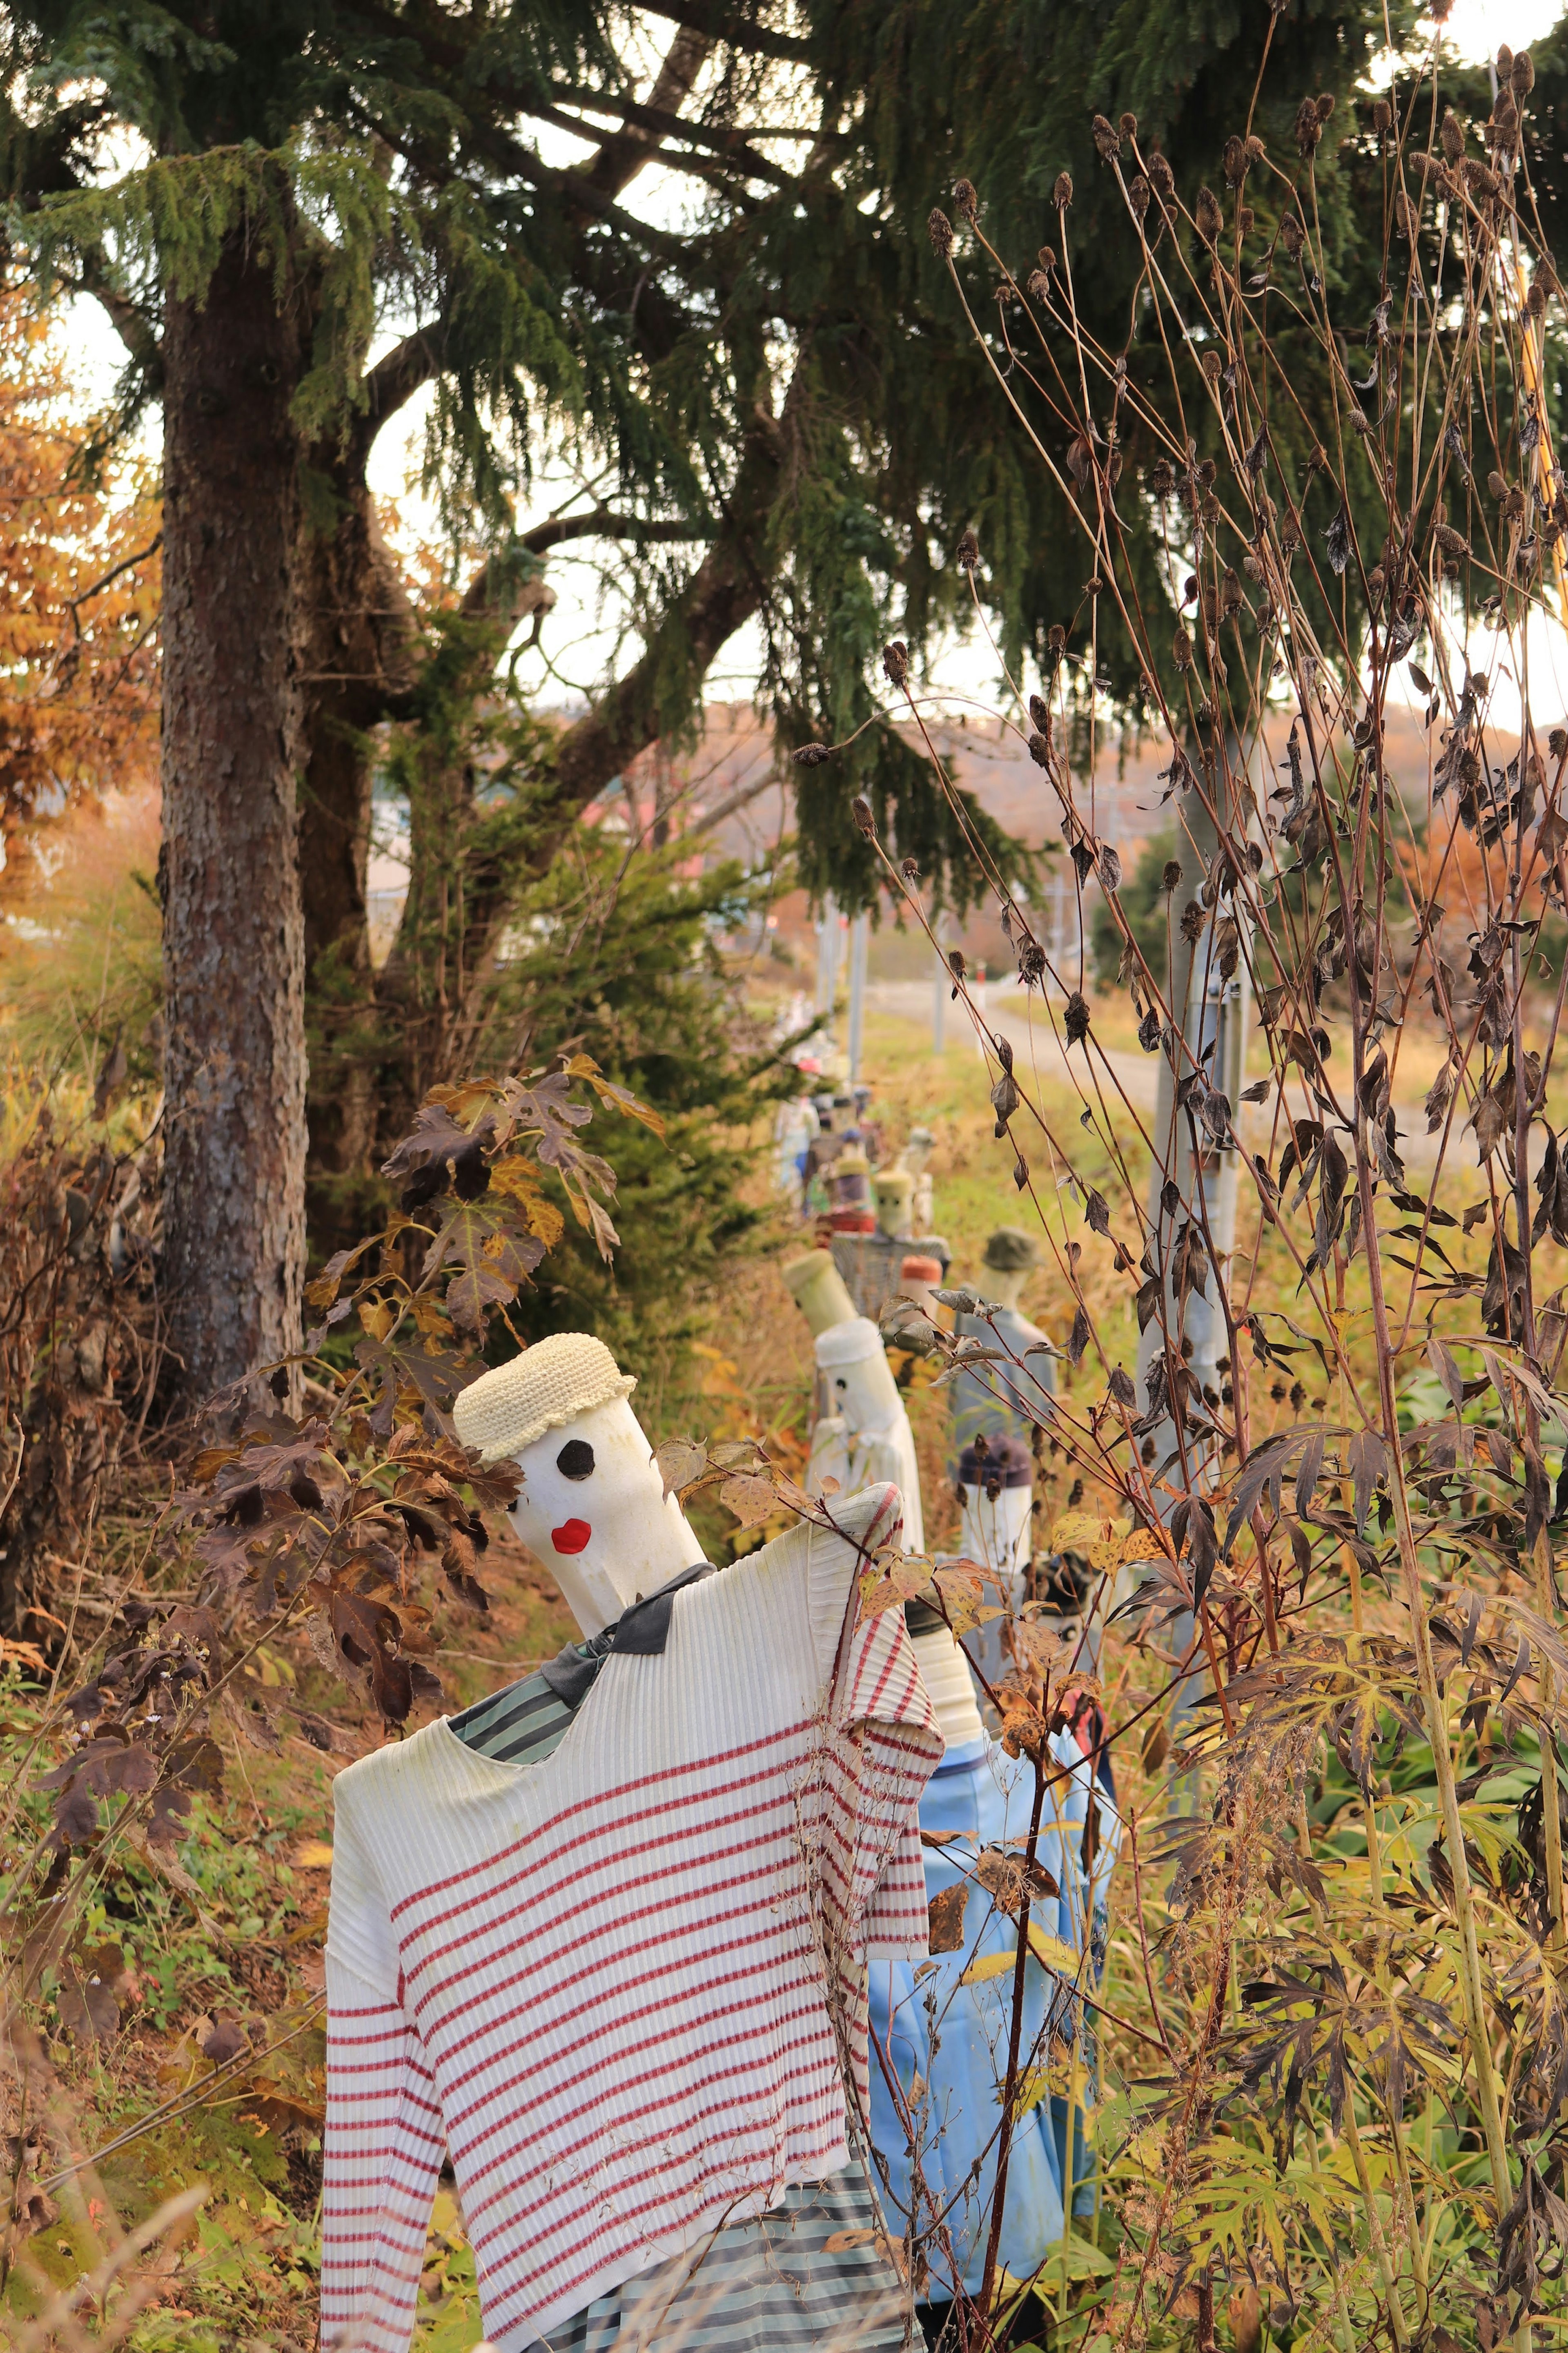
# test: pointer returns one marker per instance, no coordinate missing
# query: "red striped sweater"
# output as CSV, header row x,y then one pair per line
x,y
623,1987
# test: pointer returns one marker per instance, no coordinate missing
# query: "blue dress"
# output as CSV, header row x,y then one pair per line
x,y
948,2043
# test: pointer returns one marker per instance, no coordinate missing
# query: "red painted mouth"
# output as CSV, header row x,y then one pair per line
x,y
571,1538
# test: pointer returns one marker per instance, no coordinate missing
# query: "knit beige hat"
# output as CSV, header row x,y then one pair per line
x,y
552,1383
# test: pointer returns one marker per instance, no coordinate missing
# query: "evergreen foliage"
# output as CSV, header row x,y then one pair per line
x,y
780,378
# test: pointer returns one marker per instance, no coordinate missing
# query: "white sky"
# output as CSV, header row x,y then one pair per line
x,y
580,638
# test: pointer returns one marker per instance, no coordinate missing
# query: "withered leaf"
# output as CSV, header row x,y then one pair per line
x,y
945,1915
225,2041
682,1462
750,1496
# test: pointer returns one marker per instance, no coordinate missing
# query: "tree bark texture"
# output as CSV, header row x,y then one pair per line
x,y
232,935
361,650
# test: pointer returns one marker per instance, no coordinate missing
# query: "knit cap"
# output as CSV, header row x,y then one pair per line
x,y
1009,1249
855,1341
553,1382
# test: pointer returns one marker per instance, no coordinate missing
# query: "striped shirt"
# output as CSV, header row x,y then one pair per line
x,y
811,2272
623,1986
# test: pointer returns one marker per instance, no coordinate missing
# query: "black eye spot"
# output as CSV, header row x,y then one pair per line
x,y
575,1460
840,1385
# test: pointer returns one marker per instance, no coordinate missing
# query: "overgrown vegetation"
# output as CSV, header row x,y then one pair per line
x,y
1310,1436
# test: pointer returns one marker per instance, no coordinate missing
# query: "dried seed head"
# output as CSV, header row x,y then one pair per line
x,y
1235,161
1382,117
1062,194
1406,219
1496,484
1452,136
1181,649
1207,471
1213,366
1325,105
1256,150
1557,743
1138,195
861,809
1521,80
1504,61
1127,126
1505,120
1106,143
1057,638
895,662
1309,130
939,230
1230,595
1162,480
1535,301
910,869
1040,286
811,756
968,554
965,203
1040,750
1246,219
1170,879
1209,218
1374,580
1161,176
1290,235
1040,712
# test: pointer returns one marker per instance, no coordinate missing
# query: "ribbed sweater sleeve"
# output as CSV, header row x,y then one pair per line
x,y
383,2142
887,1742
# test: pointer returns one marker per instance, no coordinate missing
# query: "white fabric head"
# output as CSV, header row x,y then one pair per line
x,y
594,1509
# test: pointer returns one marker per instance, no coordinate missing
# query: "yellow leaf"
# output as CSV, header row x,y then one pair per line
x,y
1077,1531
378,1317
989,1965
963,1590
312,1854
517,1177
1052,1954
904,1579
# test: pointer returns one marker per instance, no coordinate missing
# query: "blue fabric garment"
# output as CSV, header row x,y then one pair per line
x,y
952,2038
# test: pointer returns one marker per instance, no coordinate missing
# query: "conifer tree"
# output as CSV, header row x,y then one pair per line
x,y
779,397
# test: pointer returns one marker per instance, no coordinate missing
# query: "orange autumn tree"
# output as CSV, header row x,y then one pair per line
x,y
79,599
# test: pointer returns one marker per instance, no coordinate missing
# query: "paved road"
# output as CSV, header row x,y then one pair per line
x,y
1034,1031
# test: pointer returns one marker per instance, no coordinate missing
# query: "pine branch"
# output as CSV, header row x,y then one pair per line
x,y
729,150
496,589
736,32
619,160
726,590
600,523
395,379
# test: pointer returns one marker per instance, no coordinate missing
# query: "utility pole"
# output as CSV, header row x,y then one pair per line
x,y
859,944
941,983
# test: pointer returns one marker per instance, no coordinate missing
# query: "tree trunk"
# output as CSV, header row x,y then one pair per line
x,y
360,655
233,937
